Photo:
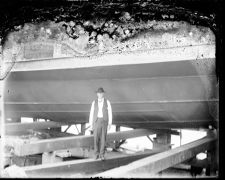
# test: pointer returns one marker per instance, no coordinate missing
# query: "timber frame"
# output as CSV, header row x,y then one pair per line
x,y
23,148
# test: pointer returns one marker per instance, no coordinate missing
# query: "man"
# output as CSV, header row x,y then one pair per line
x,y
100,120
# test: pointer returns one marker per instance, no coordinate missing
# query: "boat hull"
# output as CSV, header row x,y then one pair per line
x,y
176,94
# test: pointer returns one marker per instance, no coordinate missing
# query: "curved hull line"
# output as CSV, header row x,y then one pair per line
x,y
126,58
112,53
130,102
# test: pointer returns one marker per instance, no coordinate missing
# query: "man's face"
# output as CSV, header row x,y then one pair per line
x,y
100,95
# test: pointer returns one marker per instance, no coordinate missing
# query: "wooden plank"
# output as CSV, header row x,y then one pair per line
x,y
54,133
166,131
84,166
161,161
47,132
159,130
26,147
165,124
11,127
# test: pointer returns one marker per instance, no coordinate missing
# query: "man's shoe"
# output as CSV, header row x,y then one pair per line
x,y
96,157
102,158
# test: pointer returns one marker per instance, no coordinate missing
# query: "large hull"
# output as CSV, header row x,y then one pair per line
x,y
176,94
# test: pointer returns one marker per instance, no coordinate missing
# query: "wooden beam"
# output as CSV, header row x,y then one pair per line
x,y
166,124
162,141
161,161
26,147
11,127
84,166
43,133
159,130
54,134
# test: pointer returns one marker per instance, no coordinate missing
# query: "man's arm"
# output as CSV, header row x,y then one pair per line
x,y
109,114
91,116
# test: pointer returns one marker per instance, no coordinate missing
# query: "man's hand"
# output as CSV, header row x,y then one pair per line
x,y
89,127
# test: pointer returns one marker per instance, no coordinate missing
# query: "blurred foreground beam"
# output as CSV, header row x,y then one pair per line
x,y
161,161
84,166
26,147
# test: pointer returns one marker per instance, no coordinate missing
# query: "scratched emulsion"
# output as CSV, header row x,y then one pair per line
x,y
91,28
159,30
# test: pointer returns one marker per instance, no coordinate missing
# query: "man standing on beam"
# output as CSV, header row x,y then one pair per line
x,y
100,121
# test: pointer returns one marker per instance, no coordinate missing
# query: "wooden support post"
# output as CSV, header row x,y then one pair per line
x,y
162,141
83,126
117,143
16,120
161,161
117,128
212,155
50,157
56,129
211,168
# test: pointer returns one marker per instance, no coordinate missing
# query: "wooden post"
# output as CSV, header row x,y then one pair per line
x,y
50,157
17,119
82,129
212,155
162,141
57,129
117,143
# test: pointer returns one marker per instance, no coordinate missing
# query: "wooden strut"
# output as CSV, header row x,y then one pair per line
x,y
67,128
26,147
150,139
161,161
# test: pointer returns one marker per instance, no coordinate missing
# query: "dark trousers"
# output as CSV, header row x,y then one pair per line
x,y
100,133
